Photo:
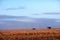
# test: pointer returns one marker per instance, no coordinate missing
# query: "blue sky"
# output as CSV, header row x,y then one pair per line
x,y
29,7
31,12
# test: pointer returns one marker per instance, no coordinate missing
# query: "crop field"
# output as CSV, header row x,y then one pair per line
x,y
38,34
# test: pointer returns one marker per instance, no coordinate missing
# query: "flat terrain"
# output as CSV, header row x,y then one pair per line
x,y
31,30
37,34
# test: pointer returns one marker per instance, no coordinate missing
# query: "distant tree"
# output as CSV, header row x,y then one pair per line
x,y
49,27
34,28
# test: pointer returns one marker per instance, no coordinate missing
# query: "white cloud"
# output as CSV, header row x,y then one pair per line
x,y
22,20
45,16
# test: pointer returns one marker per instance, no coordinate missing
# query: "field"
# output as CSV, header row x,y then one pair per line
x,y
38,34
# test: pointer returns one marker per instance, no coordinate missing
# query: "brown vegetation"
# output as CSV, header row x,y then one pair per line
x,y
40,34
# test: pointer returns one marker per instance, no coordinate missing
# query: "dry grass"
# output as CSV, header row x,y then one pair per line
x,y
53,33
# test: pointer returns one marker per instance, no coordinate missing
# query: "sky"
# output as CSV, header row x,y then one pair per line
x,y
24,14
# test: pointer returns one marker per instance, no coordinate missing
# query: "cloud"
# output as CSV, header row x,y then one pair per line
x,y
15,8
24,22
15,18
52,13
10,17
36,14
39,23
